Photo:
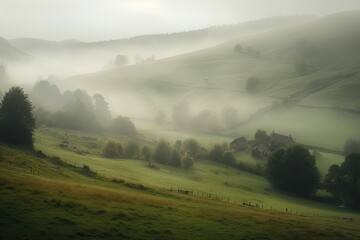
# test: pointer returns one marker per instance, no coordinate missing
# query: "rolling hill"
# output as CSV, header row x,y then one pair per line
x,y
314,64
50,193
160,45
10,53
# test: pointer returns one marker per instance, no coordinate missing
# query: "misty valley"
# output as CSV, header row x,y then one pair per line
x,y
236,131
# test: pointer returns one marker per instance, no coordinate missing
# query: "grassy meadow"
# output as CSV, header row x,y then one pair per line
x,y
42,197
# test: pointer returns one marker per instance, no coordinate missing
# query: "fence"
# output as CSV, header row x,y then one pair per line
x,y
245,203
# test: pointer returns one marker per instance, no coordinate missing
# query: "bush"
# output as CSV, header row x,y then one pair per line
x,y
162,152
293,170
110,149
132,150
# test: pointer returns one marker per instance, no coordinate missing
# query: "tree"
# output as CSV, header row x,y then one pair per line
x,y
123,125
162,152
228,158
1,94
132,150
101,110
175,159
261,135
237,48
216,153
293,170
192,146
188,161
205,121
17,122
252,84
47,95
145,153
343,181
121,60
352,146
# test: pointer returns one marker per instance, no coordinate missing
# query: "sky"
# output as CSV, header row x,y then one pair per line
x,y
95,20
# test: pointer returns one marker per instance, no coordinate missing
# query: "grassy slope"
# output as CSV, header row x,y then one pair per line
x,y
206,176
60,202
146,88
329,44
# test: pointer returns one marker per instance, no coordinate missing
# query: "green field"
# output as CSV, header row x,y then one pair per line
x,y
205,177
43,197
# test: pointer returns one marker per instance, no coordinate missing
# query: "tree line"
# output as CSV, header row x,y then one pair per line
x,y
76,110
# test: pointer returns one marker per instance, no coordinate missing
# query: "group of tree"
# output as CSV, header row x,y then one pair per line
x,y
293,170
221,154
249,50
205,120
76,110
17,123
181,154
130,150
343,181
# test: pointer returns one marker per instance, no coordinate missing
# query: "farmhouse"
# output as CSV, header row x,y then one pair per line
x,y
277,141
239,144
272,143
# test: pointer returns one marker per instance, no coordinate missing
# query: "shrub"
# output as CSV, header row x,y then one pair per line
x,y
110,149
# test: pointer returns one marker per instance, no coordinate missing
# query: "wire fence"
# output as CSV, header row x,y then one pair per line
x,y
246,203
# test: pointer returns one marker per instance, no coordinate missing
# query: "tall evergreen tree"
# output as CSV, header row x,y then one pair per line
x,y
17,123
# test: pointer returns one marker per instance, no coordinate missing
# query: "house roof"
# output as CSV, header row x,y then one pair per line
x,y
240,140
278,138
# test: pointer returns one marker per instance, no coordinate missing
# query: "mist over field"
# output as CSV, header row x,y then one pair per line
x,y
140,119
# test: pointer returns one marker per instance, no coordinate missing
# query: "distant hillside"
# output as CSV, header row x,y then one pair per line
x,y
160,44
9,52
315,64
